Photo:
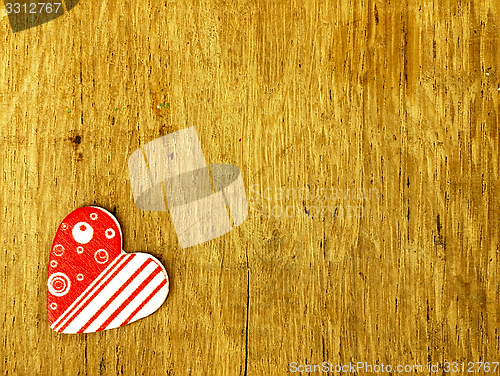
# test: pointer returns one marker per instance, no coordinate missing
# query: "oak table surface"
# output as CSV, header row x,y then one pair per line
x,y
367,134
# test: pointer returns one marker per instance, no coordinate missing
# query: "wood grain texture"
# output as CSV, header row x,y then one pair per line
x,y
400,97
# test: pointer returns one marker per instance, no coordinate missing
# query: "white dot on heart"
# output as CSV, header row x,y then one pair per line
x,y
53,263
101,256
110,233
59,284
79,249
53,306
93,216
58,250
79,277
83,232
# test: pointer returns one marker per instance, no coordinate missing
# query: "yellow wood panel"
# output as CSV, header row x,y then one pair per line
x,y
395,99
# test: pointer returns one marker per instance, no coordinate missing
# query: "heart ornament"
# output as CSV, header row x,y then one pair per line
x,y
93,284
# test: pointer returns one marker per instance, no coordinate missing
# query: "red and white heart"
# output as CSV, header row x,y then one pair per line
x,y
93,284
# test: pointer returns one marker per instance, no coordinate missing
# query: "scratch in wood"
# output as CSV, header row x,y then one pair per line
x,y
248,309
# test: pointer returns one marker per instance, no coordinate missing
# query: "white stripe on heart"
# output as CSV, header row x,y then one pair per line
x,y
61,320
120,287
151,304
157,300
121,298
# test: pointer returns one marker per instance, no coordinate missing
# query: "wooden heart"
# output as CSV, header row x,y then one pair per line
x,y
93,284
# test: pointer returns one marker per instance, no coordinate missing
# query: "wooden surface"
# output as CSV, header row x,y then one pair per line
x,y
400,97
